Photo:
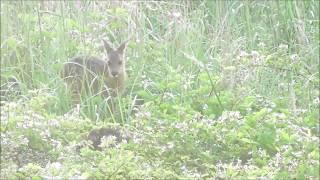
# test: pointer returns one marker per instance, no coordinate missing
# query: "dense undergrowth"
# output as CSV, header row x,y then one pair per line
x,y
230,90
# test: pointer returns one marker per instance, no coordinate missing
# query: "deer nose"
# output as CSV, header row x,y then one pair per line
x,y
114,74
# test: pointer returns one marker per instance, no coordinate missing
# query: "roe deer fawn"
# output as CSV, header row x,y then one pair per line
x,y
97,76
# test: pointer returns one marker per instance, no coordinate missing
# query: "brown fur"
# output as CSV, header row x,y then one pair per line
x,y
95,76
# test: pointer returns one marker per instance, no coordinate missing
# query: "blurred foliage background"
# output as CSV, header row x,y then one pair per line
x,y
242,78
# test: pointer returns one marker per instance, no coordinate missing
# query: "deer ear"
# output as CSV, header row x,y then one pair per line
x,y
107,46
122,47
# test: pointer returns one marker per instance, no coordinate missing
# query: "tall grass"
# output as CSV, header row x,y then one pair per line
x,y
38,37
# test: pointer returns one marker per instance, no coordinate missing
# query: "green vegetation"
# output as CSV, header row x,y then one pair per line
x,y
230,89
